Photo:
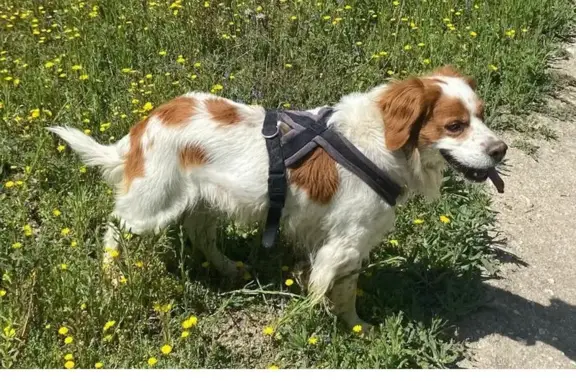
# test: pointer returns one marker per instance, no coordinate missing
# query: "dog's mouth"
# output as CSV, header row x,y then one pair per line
x,y
475,174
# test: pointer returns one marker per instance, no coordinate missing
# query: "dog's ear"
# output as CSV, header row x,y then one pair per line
x,y
405,106
450,71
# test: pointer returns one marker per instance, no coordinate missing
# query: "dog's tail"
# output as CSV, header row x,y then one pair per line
x,y
94,154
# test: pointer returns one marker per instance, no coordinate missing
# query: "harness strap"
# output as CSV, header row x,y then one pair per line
x,y
276,178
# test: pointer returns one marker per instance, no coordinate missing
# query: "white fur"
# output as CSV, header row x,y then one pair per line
x,y
337,236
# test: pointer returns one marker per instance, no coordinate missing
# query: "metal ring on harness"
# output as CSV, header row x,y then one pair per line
x,y
273,135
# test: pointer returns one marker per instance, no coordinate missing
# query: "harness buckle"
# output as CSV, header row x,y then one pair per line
x,y
272,136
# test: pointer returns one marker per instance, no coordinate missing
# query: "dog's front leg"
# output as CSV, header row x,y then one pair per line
x,y
343,299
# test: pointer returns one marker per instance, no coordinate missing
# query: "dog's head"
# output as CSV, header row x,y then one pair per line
x,y
442,112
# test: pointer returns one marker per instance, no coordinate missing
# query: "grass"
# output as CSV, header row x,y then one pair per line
x,y
100,65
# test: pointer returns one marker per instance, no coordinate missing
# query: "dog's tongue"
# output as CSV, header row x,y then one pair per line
x,y
496,180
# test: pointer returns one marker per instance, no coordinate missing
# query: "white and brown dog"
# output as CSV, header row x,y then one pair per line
x,y
203,157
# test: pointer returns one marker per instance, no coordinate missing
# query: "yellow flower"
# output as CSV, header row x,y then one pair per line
x,y
206,4
216,87
83,77
61,148
83,306
166,349
35,113
68,357
473,34
312,340
407,47
395,3
357,328
108,338
76,67
98,365
109,324
2,292
326,17
288,66
69,340
64,232
289,282
393,242
69,364
390,72
62,330
63,266
152,361
185,334
73,243
293,18
16,245
9,184
147,106
421,44
56,212
139,264
493,67
510,33
181,59
358,43
48,64
123,279
444,219
273,367
418,221
190,322
426,61
268,331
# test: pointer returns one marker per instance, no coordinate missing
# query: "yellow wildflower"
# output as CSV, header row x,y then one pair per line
x,y
109,324
393,242
444,219
273,367
73,243
139,264
2,292
9,184
63,330
16,245
493,67
64,232
48,64
473,34
35,113
357,328
268,331
68,340
185,334
407,47
312,340
98,365
289,282
68,357
61,148
190,322
83,77
181,59
426,61
63,266
152,361
147,106
418,221
166,349
56,212
69,364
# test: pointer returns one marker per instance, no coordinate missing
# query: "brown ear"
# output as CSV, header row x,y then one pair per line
x,y
404,106
450,71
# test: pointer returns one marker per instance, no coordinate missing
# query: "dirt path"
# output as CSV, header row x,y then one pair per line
x,y
531,320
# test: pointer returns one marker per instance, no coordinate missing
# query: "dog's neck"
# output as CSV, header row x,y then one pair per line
x,y
358,117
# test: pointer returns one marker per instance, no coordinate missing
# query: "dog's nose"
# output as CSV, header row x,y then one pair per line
x,y
497,150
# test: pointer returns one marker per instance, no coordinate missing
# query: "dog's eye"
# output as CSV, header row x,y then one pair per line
x,y
455,127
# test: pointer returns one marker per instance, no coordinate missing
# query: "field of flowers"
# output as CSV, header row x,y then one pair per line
x,y
102,65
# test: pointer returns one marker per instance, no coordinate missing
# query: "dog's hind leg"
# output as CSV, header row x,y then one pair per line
x,y
201,227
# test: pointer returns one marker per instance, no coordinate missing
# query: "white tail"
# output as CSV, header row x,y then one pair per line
x,y
93,154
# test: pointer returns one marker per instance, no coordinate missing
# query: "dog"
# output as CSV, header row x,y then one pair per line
x,y
201,157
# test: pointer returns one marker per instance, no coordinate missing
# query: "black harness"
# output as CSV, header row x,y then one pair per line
x,y
309,131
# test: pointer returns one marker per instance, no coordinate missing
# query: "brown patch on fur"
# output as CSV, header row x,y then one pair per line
x,y
134,162
405,106
479,110
446,111
450,71
192,156
317,175
176,112
223,111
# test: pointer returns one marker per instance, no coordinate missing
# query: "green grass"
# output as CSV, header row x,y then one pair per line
x,y
288,54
